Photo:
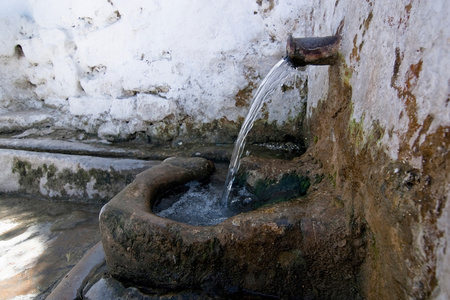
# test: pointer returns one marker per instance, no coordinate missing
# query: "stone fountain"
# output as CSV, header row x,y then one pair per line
x,y
299,248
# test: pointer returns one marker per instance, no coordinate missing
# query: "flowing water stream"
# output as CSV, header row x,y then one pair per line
x,y
196,203
277,74
209,204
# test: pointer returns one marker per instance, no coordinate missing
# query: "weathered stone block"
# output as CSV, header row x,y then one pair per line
x,y
68,177
89,106
288,249
123,109
152,108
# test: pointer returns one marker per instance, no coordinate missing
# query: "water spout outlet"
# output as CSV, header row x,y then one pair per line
x,y
313,50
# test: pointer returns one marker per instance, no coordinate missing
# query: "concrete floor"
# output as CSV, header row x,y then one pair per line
x,y
40,242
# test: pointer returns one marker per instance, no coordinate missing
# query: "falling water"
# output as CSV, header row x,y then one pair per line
x,y
277,74
196,202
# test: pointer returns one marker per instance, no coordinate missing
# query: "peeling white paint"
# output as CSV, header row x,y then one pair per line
x,y
114,67
197,55
419,31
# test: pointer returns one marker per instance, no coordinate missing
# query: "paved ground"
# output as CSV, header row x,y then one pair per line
x,y
40,242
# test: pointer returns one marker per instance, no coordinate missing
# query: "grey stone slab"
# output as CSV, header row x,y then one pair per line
x,y
67,177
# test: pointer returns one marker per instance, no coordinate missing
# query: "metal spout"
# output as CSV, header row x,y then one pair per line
x,y
313,50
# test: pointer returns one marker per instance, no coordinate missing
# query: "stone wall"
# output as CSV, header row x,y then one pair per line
x,y
73,178
378,121
171,71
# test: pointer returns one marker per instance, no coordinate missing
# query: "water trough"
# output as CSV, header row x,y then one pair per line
x,y
280,250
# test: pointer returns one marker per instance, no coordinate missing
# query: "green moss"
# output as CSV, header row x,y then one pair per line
x,y
374,250
288,187
165,130
356,132
332,178
346,71
318,178
104,180
241,178
51,171
28,176
292,257
361,138
298,257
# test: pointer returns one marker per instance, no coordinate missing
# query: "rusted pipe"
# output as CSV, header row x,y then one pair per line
x,y
313,50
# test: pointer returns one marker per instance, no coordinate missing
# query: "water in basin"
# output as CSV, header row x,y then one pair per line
x,y
198,203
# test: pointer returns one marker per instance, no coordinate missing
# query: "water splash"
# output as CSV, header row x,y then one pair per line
x,y
198,205
277,74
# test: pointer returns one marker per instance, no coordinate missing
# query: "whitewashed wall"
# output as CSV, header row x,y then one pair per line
x,y
397,56
377,34
117,67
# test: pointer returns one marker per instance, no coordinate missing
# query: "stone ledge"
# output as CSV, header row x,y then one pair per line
x,y
132,150
23,120
67,177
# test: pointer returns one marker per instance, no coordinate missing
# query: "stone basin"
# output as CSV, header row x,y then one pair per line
x,y
299,248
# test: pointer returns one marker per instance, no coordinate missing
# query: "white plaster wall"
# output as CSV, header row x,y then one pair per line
x,y
84,58
419,30
416,35
114,66
85,55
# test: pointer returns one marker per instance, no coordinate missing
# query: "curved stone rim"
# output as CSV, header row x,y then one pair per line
x,y
139,197
253,251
